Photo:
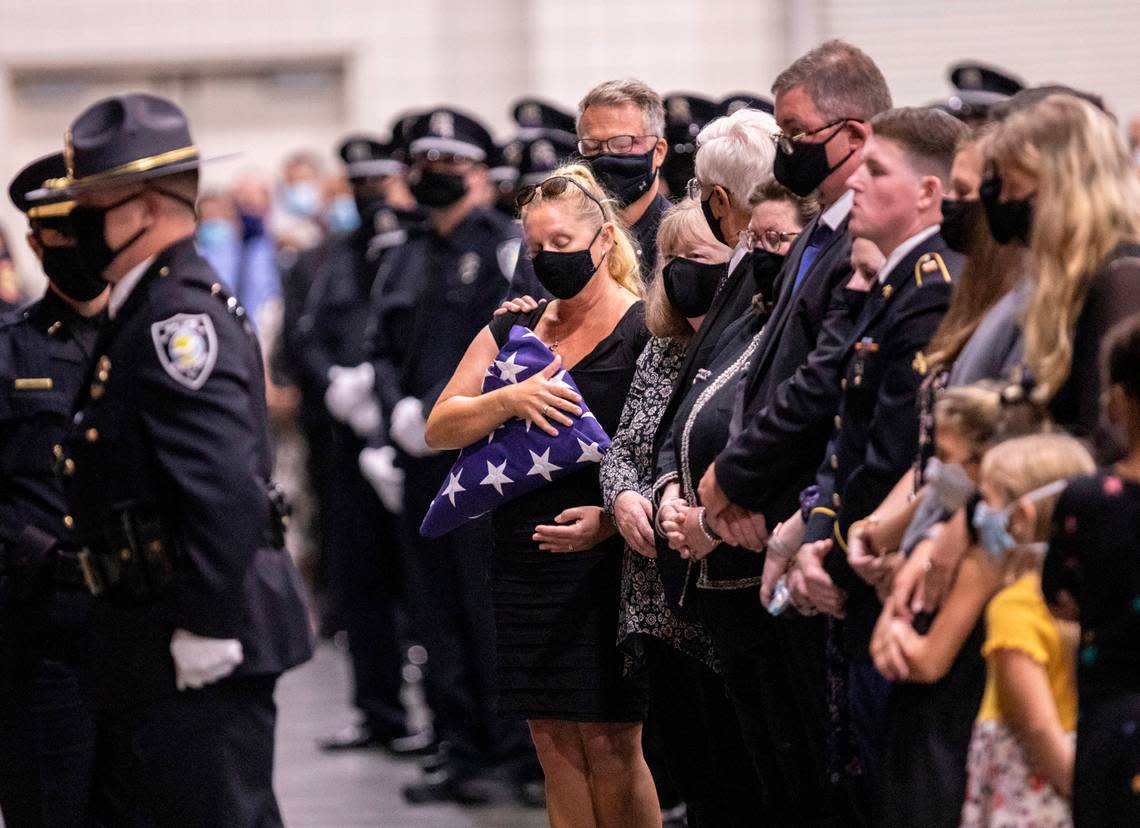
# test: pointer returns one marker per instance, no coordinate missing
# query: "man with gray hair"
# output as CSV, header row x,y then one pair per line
x,y
784,413
621,124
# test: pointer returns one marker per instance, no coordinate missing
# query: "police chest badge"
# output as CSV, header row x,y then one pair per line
x,y
187,347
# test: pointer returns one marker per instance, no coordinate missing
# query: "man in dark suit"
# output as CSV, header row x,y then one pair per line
x,y
167,469
898,197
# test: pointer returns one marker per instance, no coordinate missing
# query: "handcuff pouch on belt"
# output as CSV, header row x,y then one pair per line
x,y
136,559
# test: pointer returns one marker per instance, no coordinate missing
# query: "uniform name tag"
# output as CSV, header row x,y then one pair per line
x,y
33,384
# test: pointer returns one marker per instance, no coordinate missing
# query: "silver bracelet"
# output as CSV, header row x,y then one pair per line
x,y
702,521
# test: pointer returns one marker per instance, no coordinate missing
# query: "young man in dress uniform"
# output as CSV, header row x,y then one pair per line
x,y
167,469
363,564
47,722
898,206
440,288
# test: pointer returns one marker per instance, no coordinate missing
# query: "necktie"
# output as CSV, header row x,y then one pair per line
x,y
818,238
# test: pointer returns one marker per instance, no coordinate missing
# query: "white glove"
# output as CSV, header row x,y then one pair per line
x,y
199,661
348,388
408,427
378,465
365,418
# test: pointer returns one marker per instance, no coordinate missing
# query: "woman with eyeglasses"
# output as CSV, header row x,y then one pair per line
x,y
557,568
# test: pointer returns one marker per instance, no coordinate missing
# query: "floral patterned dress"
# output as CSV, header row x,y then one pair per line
x,y
629,466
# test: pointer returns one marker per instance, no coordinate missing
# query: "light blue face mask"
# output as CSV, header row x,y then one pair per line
x,y
341,215
992,523
303,199
213,234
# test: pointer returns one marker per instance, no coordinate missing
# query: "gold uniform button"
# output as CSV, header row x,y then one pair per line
x,y
91,435
843,384
834,462
835,500
69,521
68,467
124,554
96,391
57,451
104,363
164,271
838,422
103,375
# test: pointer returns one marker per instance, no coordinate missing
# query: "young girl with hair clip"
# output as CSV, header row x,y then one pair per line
x,y
1092,572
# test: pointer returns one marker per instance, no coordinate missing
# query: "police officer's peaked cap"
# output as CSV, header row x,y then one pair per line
x,y
366,155
32,177
746,100
685,115
125,138
541,153
449,132
533,114
979,77
501,169
402,135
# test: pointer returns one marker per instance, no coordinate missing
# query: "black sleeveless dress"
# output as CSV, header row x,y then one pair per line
x,y
556,613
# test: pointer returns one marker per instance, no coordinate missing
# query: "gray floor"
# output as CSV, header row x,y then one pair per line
x,y
318,790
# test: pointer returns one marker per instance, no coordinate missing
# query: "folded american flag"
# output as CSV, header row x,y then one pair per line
x,y
516,458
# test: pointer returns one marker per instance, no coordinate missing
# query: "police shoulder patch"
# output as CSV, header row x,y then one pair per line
x,y
187,347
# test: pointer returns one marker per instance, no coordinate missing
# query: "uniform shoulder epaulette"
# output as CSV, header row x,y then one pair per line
x,y
930,267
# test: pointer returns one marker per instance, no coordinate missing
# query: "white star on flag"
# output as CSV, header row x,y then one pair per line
x,y
453,487
542,465
560,379
496,476
590,453
508,370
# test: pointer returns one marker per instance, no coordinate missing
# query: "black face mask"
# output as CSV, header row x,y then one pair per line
x,y
88,224
626,177
712,221
1007,220
805,169
691,285
368,207
565,274
959,223
766,267
436,189
69,273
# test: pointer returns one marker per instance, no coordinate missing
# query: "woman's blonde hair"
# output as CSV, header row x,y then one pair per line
x,y
1016,467
621,260
1087,202
682,229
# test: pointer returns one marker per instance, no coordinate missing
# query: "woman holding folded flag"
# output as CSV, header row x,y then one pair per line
x,y
532,403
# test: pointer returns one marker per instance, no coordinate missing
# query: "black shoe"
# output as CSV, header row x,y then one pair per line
x,y
485,786
437,759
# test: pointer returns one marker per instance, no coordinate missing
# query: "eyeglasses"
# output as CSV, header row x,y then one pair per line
x,y
553,187
618,144
787,143
771,240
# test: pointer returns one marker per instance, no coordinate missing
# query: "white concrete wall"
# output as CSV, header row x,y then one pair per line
x,y
385,56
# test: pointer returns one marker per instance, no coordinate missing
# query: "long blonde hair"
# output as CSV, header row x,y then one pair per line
x,y
621,260
1088,201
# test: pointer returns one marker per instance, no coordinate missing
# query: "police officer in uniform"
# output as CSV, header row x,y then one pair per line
x,y
440,288
47,723
167,469
363,555
977,88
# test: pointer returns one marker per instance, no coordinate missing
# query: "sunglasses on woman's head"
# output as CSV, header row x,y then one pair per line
x,y
553,187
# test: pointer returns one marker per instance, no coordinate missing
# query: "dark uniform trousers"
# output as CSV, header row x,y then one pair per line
x,y
361,549
437,295
166,471
874,443
47,721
